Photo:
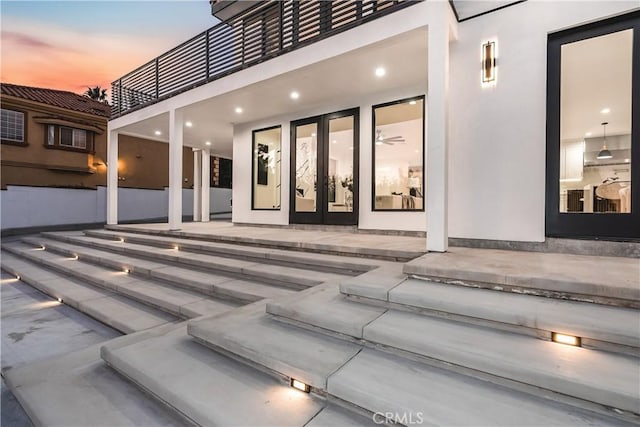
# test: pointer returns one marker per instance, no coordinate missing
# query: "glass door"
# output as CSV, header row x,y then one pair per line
x,y
593,130
324,169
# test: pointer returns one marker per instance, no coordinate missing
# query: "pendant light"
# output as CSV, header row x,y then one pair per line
x,y
604,153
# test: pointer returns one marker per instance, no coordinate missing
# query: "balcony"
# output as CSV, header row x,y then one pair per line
x,y
267,30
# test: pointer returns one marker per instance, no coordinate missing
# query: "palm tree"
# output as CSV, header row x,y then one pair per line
x,y
96,93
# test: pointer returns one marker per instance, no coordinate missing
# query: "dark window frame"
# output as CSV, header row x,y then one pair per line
x,y
91,139
607,226
373,152
24,142
253,166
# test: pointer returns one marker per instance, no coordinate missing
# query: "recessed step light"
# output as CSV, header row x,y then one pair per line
x,y
566,339
59,300
300,385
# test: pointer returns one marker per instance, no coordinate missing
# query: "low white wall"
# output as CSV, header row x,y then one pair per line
x,y
22,207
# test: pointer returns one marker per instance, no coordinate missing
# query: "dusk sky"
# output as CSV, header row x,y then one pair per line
x,y
70,45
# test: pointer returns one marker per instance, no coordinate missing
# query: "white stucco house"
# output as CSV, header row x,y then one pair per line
x,y
496,121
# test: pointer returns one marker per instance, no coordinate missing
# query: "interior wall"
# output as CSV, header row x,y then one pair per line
x,y
497,134
242,155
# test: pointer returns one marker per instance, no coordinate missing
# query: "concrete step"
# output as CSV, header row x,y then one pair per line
x,y
177,302
390,248
78,389
313,261
593,376
253,337
412,393
294,278
605,280
120,313
600,326
215,285
337,416
206,387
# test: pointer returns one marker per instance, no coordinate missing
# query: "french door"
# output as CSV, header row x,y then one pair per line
x,y
324,169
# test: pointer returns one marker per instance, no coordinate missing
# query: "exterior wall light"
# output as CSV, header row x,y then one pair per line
x,y
300,385
489,69
566,339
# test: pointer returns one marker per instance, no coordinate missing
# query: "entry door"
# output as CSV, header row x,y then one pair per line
x,y
324,169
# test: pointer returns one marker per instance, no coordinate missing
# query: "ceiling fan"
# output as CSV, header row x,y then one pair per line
x,y
392,140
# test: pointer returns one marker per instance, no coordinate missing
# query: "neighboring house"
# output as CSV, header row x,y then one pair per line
x,y
471,120
54,146
52,138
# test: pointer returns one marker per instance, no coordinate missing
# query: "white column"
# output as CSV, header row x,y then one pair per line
x,y
437,150
175,169
112,177
197,191
206,181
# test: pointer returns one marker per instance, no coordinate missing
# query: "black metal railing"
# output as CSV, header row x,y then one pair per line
x,y
269,29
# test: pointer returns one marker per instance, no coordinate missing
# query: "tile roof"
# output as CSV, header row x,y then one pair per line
x,y
58,98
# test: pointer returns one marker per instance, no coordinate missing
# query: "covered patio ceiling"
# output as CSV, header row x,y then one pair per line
x,y
343,79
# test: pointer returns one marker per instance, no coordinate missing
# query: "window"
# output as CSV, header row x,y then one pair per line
x,y
398,155
67,138
221,172
266,168
12,125
593,138
75,138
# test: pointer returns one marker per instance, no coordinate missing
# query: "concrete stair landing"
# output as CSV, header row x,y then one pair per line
x,y
462,338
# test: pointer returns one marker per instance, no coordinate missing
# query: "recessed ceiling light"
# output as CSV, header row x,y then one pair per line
x,y
238,110
412,102
350,148
158,132
208,143
294,95
313,134
605,110
188,124
588,134
380,71
334,141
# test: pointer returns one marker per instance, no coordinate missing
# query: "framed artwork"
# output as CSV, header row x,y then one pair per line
x,y
263,164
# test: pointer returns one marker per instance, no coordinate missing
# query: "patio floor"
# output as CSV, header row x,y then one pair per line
x,y
326,240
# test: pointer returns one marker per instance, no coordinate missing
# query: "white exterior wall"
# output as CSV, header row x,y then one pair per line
x,y
242,158
497,135
23,207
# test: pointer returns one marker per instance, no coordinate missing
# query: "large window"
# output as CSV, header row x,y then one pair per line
x,y
266,168
593,133
12,125
398,155
69,138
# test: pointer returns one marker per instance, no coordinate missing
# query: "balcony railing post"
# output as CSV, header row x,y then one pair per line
x,y
325,16
157,78
295,22
120,100
206,55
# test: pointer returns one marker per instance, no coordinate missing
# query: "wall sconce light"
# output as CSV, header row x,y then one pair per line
x,y
489,63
